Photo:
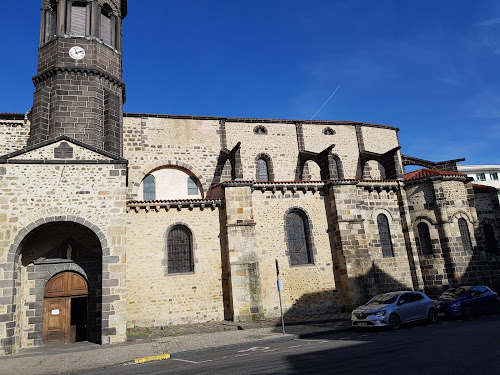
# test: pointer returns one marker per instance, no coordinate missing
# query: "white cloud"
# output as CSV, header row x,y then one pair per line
x,y
489,22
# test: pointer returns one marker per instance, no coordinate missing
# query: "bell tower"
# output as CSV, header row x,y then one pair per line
x,y
79,90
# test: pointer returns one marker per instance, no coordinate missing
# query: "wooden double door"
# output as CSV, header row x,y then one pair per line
x,y
65,309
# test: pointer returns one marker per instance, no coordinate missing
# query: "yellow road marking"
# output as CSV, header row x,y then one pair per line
x,y
152,358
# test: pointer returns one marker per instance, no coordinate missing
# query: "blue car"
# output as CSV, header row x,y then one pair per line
x,y
467,301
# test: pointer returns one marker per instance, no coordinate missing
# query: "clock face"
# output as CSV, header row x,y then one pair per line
x,y
76,53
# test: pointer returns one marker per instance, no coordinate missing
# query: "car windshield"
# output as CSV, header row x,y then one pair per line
x,y
454,293
383,299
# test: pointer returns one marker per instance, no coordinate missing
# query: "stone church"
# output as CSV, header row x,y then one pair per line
x,y
110,220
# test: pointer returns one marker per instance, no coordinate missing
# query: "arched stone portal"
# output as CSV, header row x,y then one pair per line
x,y
60,273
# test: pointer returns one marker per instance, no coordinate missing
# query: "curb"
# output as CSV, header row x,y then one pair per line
x,y
137,361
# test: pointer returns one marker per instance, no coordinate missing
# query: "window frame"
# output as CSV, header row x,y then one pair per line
x,y
306,255
192,183
149,180
465,237
262,176
189,258
387,247
490,239
480,176
428,249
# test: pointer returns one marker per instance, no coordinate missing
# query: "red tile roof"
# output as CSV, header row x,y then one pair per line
x,y
484,188
426,173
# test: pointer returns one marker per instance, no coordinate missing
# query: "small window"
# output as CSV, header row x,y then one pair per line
x,y
192,186
260,130
481,177
262,170
328,131
424,238
180,250
464,234
385,236
489,236
78,19
149,188
298,244
494,176
106,24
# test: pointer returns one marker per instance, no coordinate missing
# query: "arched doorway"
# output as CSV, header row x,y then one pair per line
x,y
65,308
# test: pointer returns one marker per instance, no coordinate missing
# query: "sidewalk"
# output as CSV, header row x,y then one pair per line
x,y
63,359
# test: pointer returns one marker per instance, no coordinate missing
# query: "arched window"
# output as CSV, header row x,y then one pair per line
x,y
464,234
78,18
385,236
489,236
180,250
262,170
149,188
260,130
106,24
192,186
424,238
328,131
298,242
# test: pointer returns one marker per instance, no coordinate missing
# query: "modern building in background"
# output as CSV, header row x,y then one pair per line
x,y
110,220
488,175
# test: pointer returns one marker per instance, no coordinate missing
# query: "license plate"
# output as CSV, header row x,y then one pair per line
x,y
441,314
362,324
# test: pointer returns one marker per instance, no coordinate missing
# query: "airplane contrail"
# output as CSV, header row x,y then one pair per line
x,y
327,100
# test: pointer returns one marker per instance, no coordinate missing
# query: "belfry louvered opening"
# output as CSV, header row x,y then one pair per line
x,y
78,18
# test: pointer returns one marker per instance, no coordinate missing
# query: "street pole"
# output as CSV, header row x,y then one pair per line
x,y
279,286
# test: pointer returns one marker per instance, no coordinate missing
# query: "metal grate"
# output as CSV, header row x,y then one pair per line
x,y
179,253
464,234
297,236
262,170
385,236
149,188
425,239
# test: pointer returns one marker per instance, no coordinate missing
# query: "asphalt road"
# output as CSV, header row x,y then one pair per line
x,y
450,347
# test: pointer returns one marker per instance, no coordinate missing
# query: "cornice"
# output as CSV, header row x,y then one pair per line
x,y
51,72
174,204
77,70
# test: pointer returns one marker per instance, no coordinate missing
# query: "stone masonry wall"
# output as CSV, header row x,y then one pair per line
x,y
280,144
344,139
13,136
150,143
308,288
364,272
92,195
157,298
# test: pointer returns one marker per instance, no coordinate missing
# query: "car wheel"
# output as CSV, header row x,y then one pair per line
x,y
395,321
432,317
467,312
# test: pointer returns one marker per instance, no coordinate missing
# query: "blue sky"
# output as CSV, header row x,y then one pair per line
x,y
430,68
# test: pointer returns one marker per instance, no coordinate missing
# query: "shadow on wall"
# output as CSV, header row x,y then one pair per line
x,y
312,308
